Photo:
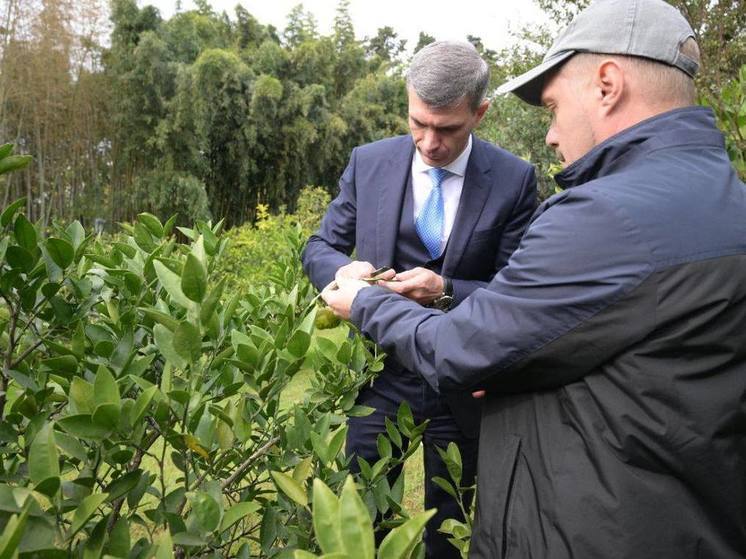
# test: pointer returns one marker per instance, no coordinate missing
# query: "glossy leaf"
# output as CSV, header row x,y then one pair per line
x,y
171,282
400,542
290,487
194,279
206,511
105,389
7,216
356,526
43,461
84,511
164,341
10,539
152,223
187,341
326,520
238,512
61,252
25,233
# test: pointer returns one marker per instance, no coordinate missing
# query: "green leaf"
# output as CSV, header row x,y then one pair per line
x,y
238,512
152,223
384,446
171,282
164,342
355,523
123,484
160,317
14,163
19,258
326,521
43,461
142,403
164,546
400,542
76,233
206,511
299,343
336,442
143,237
6,150
188,341
169,225
194,279
13,532
290,487
84,511
82,425
105,387
61,252
64,364
393,433
81,396
454,463
70,446
107,416
445,485
25,233
9,212
211,302
119,539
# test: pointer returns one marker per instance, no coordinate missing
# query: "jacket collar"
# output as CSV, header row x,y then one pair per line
x,y
677,127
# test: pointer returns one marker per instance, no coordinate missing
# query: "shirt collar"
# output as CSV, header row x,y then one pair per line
x,y
455,167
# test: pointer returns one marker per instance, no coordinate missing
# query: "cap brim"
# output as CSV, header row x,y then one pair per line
x,y
528,86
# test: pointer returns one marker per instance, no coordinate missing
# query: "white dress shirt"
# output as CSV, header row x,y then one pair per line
x,y
451,188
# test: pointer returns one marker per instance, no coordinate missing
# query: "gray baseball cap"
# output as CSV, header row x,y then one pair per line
x,y
649,28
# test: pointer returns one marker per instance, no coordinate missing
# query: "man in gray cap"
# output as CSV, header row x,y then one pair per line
x,y
612,347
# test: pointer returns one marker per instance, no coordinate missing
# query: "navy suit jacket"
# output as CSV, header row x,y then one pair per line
x,y
497,201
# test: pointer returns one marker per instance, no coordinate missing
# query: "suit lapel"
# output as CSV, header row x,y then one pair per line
x,y
393,182
474,194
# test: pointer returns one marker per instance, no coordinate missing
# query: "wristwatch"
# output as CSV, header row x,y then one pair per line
x,y
444,302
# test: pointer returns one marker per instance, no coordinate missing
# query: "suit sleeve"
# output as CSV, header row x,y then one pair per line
x,y
574,294
510,235
330,247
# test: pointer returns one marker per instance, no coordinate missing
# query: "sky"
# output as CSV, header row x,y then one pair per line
x,y
491,20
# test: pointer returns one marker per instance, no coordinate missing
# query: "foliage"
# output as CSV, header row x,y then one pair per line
x,y
731,113
257,252
140,402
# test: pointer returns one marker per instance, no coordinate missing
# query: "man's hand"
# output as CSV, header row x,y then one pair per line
x,y
355,270
419,284
340,294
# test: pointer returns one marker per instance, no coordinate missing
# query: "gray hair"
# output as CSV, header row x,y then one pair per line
x,y
444,72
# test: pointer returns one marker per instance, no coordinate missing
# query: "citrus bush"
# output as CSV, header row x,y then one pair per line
x,y
140,411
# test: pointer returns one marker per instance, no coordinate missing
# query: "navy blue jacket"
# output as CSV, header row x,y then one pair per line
x,y
613,350
497,201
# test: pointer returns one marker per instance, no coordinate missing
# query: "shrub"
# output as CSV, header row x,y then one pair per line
x,y
141,412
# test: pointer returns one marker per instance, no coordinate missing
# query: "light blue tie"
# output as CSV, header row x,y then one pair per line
x,y
429,222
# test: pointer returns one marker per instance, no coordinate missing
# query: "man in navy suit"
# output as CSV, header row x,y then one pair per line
x,y
444,210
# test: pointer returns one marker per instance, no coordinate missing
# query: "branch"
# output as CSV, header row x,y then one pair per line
x,y
244,466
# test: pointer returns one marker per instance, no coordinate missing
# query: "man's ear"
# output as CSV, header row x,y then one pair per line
x,y
610,85
481,110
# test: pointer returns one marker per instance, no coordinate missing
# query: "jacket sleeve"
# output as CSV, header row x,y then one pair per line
x,y
573,295
330,247
510,235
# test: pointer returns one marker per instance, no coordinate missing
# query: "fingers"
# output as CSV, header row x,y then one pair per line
x,y
479,394
355,270
340,294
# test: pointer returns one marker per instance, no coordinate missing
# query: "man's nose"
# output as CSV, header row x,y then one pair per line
x,y
431,140
551,138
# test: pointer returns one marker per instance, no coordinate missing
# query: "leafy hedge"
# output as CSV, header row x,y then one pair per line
x,y
141,413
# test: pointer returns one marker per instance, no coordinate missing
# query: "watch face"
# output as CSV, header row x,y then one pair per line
x,y
443,303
